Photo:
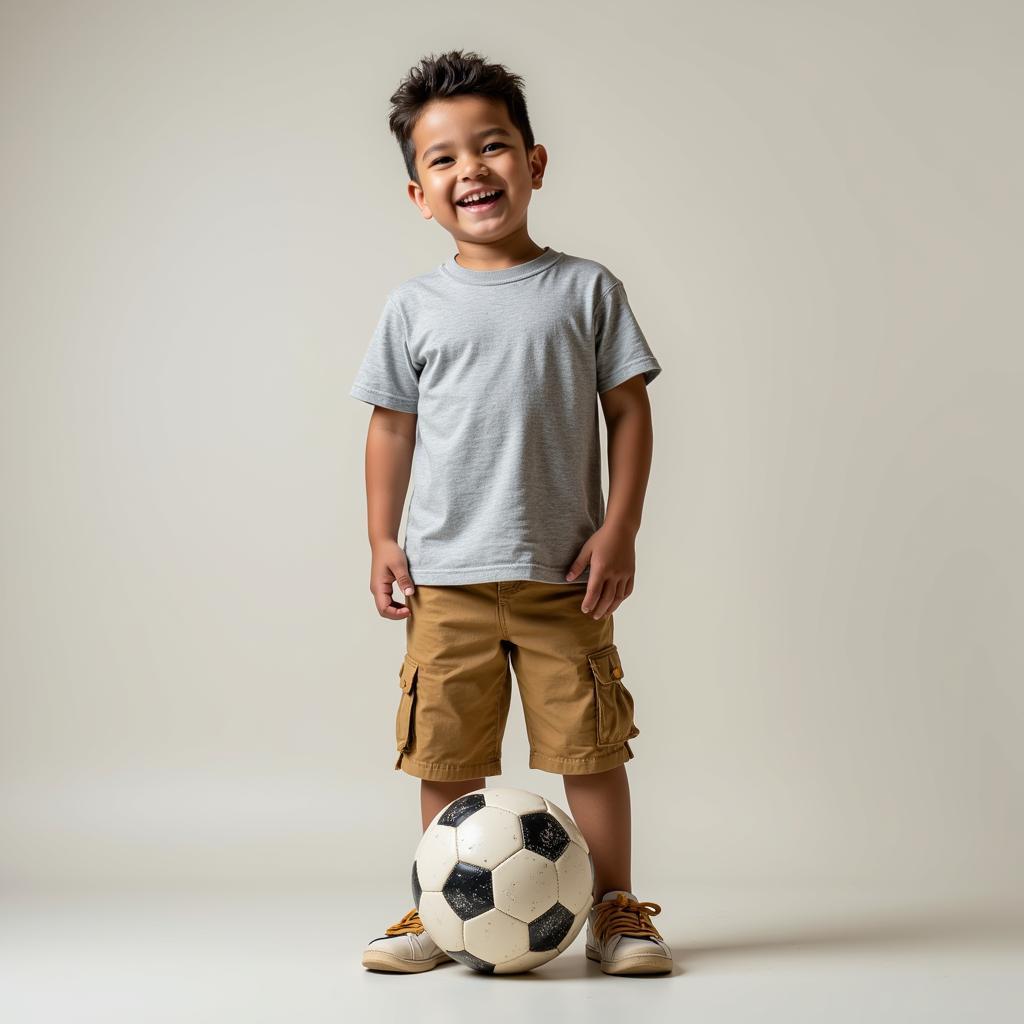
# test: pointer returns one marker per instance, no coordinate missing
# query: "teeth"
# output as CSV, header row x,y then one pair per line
x,y
478,197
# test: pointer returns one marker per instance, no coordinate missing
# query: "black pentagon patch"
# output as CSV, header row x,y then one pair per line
x,y
471,961
543,835
417,889
461,809
550,928
469,891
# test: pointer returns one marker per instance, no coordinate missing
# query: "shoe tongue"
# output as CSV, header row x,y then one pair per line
x,y
611,894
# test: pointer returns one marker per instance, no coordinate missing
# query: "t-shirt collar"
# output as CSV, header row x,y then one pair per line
x,y
516,273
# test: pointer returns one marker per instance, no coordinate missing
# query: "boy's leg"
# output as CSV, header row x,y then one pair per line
x,y
436,795
600,806
579,715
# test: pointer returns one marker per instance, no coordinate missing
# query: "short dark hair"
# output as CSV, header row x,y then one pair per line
x,y
455,73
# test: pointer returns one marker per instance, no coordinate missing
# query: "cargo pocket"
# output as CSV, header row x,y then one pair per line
x,y
403,720
613,702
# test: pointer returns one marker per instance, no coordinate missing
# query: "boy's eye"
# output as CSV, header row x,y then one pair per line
x,y
434,163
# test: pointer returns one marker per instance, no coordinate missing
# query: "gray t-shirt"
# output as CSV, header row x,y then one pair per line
x,y
503,368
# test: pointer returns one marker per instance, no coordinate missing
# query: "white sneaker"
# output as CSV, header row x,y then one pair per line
x,y
622,939
405,948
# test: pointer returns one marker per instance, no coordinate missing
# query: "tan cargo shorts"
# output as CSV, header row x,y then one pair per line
x,y
456,687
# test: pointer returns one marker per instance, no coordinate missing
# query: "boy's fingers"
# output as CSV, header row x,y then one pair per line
x,y
620,596
578,565
595,586
607,600
407,587
387,607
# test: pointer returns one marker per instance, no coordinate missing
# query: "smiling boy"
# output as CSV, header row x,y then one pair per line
x,y
485,375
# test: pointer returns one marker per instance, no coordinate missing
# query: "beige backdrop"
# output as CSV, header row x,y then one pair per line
x,y
817,213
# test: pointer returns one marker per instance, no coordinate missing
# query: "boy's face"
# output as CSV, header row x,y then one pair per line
x,y
468,144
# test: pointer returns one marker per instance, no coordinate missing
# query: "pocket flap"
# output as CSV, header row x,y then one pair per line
x,y
606,664
407,674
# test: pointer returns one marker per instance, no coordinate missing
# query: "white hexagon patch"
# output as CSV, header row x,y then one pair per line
x,y
525,886
488,837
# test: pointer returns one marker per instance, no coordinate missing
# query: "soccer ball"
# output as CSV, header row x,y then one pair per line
x,y
503,880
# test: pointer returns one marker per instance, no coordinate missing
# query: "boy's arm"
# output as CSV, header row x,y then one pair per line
x,y
610,551
390,443
627,414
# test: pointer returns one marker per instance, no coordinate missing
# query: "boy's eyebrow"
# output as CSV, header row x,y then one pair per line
x,y
478,136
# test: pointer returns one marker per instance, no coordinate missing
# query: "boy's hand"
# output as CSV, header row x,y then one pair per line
x,y
612,556
389,566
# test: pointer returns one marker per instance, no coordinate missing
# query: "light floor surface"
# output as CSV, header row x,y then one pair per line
x,y
743,953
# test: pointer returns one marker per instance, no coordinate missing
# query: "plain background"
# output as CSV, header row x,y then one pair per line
x,y
816,210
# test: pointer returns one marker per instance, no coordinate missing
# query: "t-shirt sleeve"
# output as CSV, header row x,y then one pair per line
x,y
622,349
388,374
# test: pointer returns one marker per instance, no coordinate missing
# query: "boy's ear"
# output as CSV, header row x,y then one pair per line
x,y
416,195
538,159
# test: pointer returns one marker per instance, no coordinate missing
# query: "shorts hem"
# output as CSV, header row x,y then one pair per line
x,y
496,574
446,772
581,765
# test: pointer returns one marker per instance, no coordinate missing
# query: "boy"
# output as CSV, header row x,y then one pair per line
x,y
484,375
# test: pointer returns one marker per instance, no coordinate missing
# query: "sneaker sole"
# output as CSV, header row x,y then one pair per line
x,y
631,965
379,960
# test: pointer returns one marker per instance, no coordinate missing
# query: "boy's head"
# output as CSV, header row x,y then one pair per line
x,y
462,127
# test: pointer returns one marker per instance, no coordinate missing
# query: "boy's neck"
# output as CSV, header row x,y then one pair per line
x,y
501,255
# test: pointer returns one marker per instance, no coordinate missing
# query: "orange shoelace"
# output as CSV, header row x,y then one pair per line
x,y
623,916
410,924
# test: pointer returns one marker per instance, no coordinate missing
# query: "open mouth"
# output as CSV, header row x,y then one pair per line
x,y
483,201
